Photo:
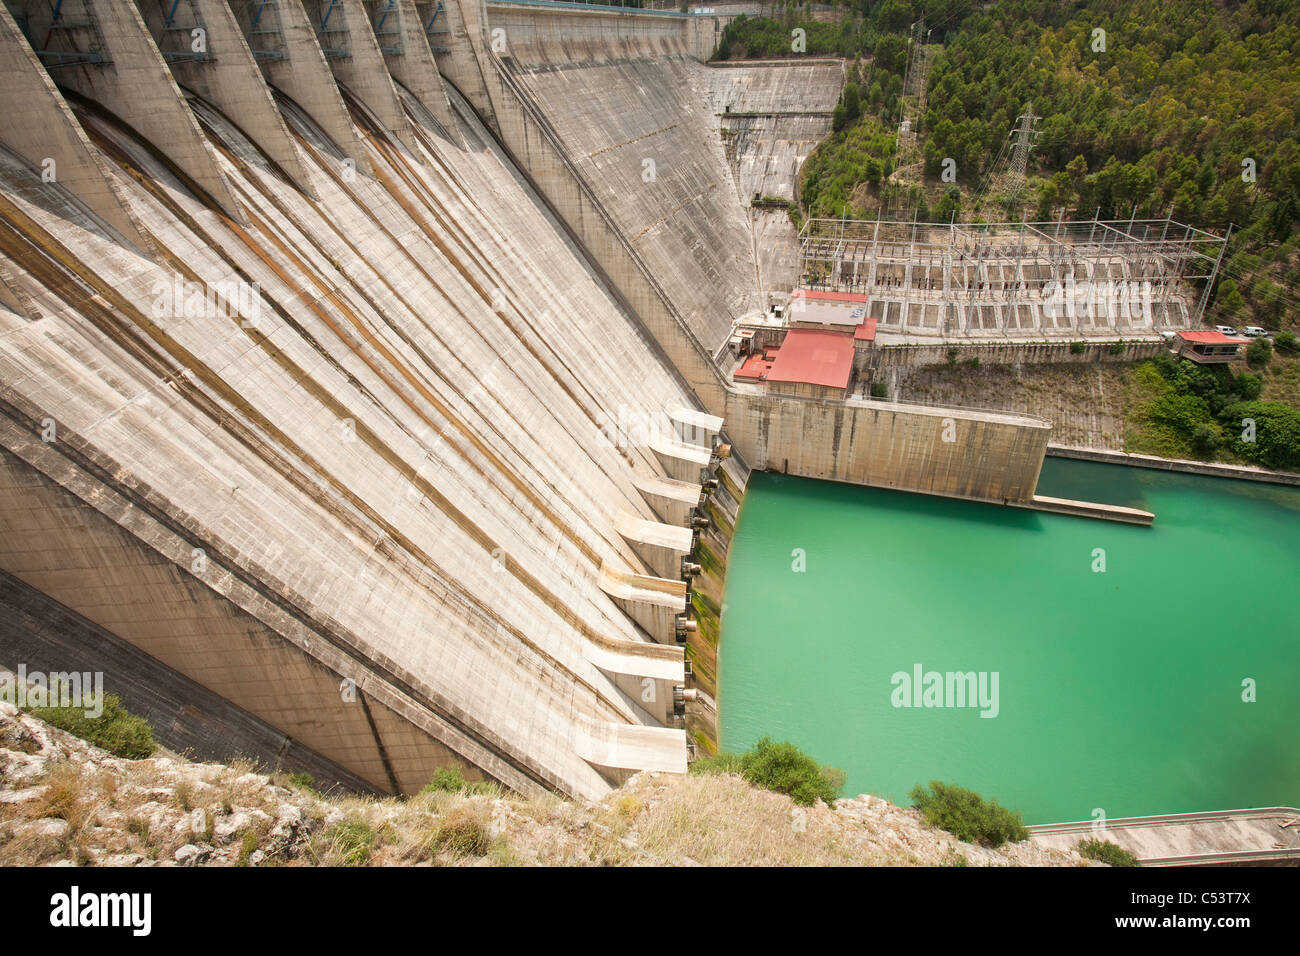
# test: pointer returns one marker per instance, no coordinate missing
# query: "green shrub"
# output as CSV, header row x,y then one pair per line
x,y
1259,353
879,390
1205,438
967,815
1277,433
451,780
1106,852
1117,348
784,768
302,781
350,842
1248,386
1286,342
116,730
445,780
1078,348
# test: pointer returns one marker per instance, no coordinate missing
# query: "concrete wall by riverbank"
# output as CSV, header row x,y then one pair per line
x,y
1210,468
937,451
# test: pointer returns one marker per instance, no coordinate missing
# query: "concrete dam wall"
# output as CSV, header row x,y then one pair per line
x,y
326,434
357,365
691,256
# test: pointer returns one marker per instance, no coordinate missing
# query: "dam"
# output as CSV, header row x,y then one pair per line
x,y
366,377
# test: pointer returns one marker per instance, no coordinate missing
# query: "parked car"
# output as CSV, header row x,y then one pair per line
x,y
1226,329
1254,331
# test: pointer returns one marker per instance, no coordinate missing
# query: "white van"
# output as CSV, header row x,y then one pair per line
x,y
1226,329
1254,331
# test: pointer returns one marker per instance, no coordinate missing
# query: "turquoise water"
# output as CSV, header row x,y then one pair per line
x,y
1118,689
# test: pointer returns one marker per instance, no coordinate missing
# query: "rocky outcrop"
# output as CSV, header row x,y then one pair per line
x,y
64,802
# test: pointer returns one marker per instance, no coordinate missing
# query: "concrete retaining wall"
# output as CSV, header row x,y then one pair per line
x,y
989,457
1008,353
1209,468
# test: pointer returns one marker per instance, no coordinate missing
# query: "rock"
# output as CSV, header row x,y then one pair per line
x,y
50,827
256,857
123,859
22,796
332,816
188,855
226,829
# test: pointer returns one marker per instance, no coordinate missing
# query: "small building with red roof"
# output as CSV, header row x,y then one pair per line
x,y
813,363
1208,347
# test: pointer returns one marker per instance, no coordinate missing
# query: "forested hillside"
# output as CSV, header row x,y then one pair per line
x,y
1145,108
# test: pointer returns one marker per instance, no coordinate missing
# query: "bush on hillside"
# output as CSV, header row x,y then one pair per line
x,y
1106,852
968,816
1259,353
116,730
780,767
784,768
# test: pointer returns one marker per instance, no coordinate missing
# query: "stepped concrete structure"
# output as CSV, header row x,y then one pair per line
x,y
362,363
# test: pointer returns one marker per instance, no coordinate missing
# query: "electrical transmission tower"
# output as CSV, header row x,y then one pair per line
x,y
1009,183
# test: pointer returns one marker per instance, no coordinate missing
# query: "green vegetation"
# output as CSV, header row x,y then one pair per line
x,y
445,780
763,38
879,390
780,767
968,816
451,780
721,762
116,730
1105,852
302,781
1259,353
349,842
1185,410
1286,343
247,847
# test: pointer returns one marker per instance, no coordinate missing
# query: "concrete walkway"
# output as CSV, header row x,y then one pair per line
x,y
1264,834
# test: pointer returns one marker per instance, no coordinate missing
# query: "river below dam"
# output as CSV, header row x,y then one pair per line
x,y
1059,665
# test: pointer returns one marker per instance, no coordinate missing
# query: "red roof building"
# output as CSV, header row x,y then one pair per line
x,y
813,363
1208,347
